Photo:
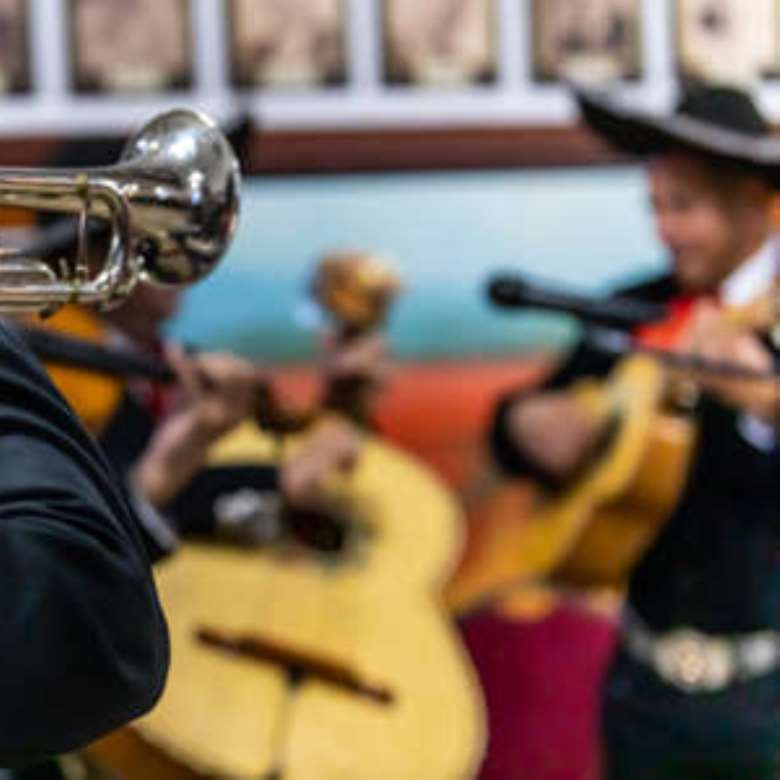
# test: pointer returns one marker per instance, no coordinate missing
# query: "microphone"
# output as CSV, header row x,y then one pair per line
x,y
513,292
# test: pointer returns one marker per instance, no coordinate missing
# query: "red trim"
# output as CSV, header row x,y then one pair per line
x,y
27,151
434,149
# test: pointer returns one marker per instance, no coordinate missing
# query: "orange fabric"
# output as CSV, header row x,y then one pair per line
x,y
667,333
93,396
11,217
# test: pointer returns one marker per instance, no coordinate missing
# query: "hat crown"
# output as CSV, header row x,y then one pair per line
x,y
724,107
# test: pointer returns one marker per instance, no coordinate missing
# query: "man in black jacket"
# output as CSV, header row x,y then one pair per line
x,y
692,689
83,648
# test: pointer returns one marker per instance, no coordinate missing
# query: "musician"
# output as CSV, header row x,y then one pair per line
x,y
161,437
83,646
691,692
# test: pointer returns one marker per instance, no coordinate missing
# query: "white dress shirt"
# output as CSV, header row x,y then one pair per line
x,y
750,280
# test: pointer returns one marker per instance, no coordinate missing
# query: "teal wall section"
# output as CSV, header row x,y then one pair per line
x,y
446,232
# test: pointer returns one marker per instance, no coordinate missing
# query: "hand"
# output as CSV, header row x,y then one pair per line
x,y
554,431
364,357
218,391
711,337
333,447
356,372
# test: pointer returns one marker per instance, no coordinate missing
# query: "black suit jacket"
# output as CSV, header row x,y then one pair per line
x,y
716,563
83,644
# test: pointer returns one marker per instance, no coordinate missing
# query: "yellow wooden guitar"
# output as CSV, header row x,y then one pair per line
x,y
375,610
594,532
342,665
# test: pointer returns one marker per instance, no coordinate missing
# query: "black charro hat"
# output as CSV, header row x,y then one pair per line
x,y
721,123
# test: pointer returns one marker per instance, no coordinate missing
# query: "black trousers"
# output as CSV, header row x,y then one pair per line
x,y
652,731
634,767
48,770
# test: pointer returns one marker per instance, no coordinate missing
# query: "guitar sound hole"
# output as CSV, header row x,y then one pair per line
x,y
318,531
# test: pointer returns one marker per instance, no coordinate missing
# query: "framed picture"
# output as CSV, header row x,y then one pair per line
x,y
287,43
586,40
14,46
131,45
771,69
717,40
439,43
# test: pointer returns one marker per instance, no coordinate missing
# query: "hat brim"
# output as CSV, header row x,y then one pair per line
x,y
644,135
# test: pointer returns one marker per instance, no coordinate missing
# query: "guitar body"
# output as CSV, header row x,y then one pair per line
x,y
125,754
375,609
593,533
624,523
94,397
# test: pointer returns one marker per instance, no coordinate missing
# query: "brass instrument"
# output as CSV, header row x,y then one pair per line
x,y
171,202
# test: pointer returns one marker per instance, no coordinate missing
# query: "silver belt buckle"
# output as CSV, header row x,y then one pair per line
x,y
693,662
758,654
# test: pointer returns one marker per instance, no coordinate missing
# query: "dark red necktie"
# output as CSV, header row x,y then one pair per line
x,y
155,396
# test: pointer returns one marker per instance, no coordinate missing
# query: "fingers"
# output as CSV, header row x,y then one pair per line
x,y
189,381
334,445
706,327
364,358
333,448
227,375
218,390
715,340
356,356
711,337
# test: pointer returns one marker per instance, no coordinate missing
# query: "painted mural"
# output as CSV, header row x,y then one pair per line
x,y
445,233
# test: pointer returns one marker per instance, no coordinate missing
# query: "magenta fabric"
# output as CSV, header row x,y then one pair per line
x,y
541,683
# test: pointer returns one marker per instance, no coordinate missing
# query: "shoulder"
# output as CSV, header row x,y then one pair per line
x,y
11,342
19,368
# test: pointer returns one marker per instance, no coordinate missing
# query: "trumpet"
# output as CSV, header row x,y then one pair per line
x,y
171,204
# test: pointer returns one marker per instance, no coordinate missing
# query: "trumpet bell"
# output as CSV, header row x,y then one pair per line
x,y
182,180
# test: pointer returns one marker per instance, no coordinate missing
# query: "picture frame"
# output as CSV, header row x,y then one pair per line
x,y
123,46
586,40
14,46
287,44
771,69
717,41
440,43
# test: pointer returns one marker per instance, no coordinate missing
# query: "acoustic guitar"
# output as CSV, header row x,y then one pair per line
x,y
299,662
593,533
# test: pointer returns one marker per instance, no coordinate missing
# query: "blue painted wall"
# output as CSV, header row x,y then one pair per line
x,y
446,233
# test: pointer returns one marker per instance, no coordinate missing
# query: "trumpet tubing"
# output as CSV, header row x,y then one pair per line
x,y
172,204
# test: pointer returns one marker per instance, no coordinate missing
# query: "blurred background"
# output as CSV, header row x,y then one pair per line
x,y
441,135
